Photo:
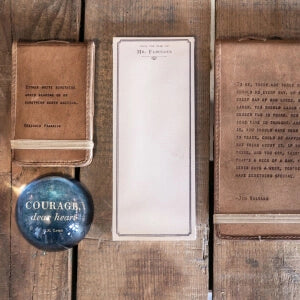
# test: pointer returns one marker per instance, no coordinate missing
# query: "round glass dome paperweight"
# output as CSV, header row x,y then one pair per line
x,y
54,213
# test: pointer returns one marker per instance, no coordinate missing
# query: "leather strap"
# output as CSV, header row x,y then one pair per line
x,y
256,218
52,144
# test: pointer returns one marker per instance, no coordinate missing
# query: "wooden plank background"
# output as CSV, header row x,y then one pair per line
x,y
137,270
257,269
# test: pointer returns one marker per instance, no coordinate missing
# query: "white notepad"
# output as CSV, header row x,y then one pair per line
x,y
153,139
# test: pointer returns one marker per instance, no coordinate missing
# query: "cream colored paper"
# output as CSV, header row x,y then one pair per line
x,y
153,143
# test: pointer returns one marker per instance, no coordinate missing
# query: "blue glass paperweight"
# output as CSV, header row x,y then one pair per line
x,y
54,213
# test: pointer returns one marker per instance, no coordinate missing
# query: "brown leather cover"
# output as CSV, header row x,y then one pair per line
x,y
257,141
52,99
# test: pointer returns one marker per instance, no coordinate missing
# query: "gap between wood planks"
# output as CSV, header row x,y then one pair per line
x,y
77,172
211,157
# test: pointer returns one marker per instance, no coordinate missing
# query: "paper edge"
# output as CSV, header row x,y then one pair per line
x,y
158,237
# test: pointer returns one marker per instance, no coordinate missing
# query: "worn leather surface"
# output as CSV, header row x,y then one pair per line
x,y
52,68
255,62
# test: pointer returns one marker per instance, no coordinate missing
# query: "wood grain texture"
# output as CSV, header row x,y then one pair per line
x,y
141,270
5,79
257,269
5,197
5,165
45,20
265,19
36,274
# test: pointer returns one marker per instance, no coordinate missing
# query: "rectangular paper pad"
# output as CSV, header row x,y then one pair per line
x,y
153,171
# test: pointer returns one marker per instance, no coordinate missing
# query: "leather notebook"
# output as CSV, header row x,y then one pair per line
x,y
257,140
52,103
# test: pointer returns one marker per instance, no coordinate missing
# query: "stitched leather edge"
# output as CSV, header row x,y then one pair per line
x,y
217,124
248,237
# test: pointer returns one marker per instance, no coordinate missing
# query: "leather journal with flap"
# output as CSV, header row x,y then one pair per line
x,y
52,103
257,140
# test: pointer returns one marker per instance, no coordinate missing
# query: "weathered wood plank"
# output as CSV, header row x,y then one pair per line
x,y
35,274
266,19
45,20
141,270
5,156
5,197
5,76
257,269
